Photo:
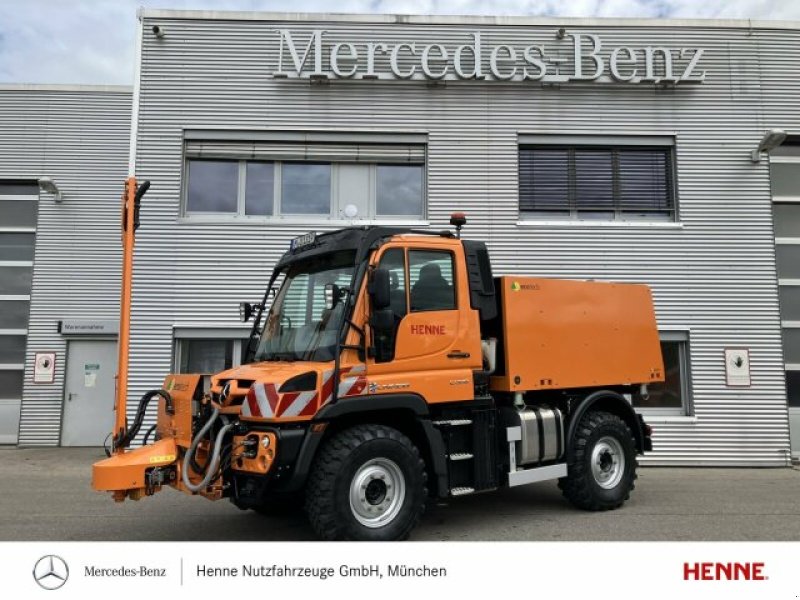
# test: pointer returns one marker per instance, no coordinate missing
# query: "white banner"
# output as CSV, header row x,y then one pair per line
x,y
400,571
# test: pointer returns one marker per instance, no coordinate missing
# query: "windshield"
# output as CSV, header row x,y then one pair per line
x,y
298,326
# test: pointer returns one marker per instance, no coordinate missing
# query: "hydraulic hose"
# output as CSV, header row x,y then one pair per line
x,y
213,464
148,434
126,438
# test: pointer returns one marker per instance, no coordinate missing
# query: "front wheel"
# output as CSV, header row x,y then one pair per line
x,y
602,469
367,483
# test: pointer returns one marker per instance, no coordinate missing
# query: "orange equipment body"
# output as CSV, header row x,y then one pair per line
x,y
125,472
560,334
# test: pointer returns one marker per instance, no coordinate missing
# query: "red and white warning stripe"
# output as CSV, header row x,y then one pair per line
x,y
263,399
353,385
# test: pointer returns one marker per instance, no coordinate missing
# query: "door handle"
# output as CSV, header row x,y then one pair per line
x,y
458,354
69,396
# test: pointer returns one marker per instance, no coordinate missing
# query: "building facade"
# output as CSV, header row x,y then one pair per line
x,y
601,149
59,255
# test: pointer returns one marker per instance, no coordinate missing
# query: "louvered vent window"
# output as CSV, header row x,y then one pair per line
x,y
596,182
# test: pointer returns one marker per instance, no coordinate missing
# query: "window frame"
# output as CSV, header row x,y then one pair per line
x,y
571,143
681,337
232,336
336,205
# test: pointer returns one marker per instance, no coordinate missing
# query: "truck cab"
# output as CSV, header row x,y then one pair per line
x,y
386,367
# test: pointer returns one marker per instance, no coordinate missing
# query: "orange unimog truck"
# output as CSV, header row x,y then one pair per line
x,y
387,367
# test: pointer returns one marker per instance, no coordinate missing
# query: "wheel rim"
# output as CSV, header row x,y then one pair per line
x,y
608,462
377,492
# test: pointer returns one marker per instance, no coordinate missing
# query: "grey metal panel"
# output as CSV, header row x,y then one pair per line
x,y
712,274
77,136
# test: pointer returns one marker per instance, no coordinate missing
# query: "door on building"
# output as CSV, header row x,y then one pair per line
x,y
89,392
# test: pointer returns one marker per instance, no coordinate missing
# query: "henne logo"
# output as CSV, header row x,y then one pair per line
x,y
730,571
561,58
427,330
51,572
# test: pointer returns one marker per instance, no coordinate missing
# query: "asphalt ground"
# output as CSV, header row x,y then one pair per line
x,y
45,494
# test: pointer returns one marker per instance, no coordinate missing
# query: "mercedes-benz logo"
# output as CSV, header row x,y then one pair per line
x,y
51,572
226,389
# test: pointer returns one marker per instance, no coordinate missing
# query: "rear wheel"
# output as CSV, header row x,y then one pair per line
x,y
602,468
367,483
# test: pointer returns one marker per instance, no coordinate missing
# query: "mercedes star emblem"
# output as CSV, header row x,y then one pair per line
x,y
50,572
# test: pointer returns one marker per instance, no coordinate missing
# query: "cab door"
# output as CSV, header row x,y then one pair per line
x,y
435,345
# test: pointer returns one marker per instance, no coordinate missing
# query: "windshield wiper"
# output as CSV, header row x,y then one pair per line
x,y
280,356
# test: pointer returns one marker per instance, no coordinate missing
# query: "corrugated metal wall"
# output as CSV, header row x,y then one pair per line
x,y
77,136
713,273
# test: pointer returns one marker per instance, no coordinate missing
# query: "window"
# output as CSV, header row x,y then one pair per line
x,y
791,345
18,213
306,189
399,190
208,350
596,182
212,186
205,356
672,396
793,388
298,325
259,188
431,278
321,181
12,349
15,280
14,314
786,218
17,246
19,204
787,257
789,296
10,385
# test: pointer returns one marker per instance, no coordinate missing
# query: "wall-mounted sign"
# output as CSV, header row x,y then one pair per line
x,y
90,371
737,367
88,327
44,367
556,57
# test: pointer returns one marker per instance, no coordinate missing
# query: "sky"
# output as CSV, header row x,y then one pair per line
x,y
92,41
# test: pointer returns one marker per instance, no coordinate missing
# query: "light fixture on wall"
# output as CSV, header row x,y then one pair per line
x,y
49,186
771,139
561,33
351,211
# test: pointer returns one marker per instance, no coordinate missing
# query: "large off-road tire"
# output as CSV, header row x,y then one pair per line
x,y
602,468
367,483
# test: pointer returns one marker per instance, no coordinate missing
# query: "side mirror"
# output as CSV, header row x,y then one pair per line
x,y
246,311
332,295
380,290
382,320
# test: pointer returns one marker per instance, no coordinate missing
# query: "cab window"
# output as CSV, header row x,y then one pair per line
x,y
432,280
